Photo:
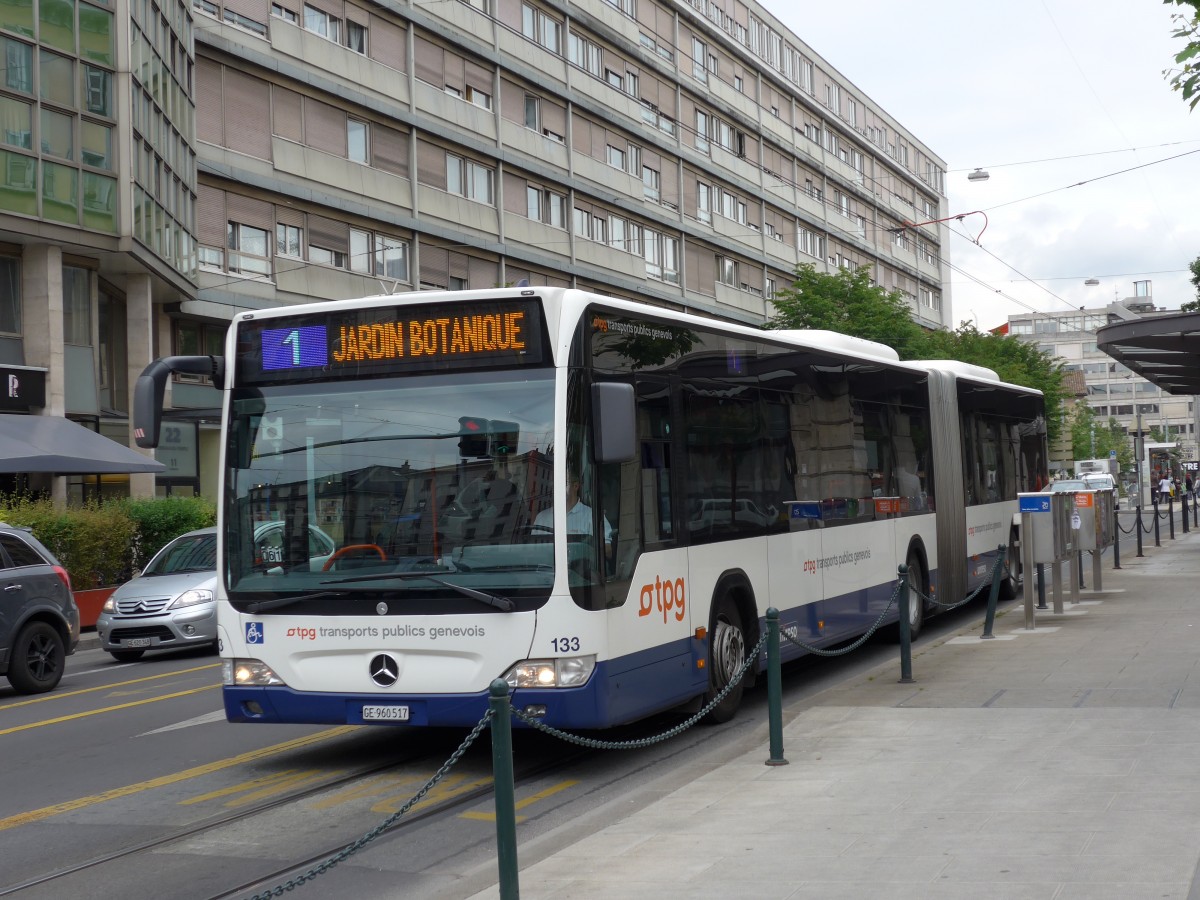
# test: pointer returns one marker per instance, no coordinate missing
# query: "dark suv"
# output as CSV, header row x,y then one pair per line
x,y
39,621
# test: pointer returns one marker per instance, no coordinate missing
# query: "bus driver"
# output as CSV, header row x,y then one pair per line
x,y
579,516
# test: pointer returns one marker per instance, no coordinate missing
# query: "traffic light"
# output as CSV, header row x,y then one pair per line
x,y
473,436
504,437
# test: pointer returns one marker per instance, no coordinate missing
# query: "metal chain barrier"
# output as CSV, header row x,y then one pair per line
x,y
640,743
1000,561
383,826
842,651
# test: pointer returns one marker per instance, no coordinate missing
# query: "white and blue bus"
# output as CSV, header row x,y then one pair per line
x,y
593,499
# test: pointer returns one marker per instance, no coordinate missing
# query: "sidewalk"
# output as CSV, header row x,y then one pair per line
x,y
1061,764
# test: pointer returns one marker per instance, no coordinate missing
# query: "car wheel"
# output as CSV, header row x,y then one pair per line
x,y
126,655
38,659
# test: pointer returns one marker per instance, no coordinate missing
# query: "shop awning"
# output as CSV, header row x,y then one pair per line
x,y
52,444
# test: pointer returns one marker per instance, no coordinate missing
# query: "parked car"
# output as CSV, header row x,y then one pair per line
x,y
173,604
39,621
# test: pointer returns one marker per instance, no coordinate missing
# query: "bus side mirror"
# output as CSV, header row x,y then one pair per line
x,y
152,383
614,422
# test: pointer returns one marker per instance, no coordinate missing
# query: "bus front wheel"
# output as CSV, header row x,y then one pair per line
x,y
726,653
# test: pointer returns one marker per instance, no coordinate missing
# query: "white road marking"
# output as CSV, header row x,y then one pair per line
x,y
218,716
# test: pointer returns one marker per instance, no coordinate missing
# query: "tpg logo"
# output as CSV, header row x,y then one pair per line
x,y
664,596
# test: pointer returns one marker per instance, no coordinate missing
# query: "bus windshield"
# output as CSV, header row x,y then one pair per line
x,y
333,488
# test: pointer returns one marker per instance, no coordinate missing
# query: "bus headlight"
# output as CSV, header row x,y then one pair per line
x,y
551,673
247,673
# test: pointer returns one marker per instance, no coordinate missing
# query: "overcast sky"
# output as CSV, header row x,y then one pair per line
x,y
999,85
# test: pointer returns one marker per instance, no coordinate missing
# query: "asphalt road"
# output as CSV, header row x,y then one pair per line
x,y
127,782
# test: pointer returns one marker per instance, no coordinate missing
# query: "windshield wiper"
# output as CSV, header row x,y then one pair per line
x,y
257,606
498,601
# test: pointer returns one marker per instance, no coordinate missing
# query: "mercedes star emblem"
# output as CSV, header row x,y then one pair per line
x,y
384,670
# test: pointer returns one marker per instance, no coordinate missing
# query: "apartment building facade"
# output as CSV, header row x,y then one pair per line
x,y
1112,389
246,154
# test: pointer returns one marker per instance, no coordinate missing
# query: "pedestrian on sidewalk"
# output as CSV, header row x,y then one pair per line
x,y
1164,488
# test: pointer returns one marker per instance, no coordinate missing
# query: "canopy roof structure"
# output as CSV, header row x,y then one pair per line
x,y
56,445
1165,350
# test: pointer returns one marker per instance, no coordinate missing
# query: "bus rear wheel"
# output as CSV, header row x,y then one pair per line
x,y
916,595
726,653
1012,559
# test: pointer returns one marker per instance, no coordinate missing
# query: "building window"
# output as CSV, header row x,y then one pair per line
x,y
651,184
583,53
360,251
616,157
286,14
320,22
533,112
546,206
10,295
699,60
727,271
18,65
77,306
356,37
469,179
289,241
478,97
541,28
356,139
702,131
248,250
391,258
704,203
326,257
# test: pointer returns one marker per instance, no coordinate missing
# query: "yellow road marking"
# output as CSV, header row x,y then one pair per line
x,y
268,786
62,695
444,790
36,815
369,788
107,709
521,804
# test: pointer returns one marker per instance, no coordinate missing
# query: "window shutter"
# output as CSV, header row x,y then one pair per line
x,y
457,267
480,78
750,275
328,233
482,273
287,115
514,194
648,88
286,215
387,43
210,116
248,211
581,134
435,266
429,62
670,183
453,72
554,117
255,10
324,127
512,101
431,165
691,193
359,16
246,128
389,150
333,8
210,216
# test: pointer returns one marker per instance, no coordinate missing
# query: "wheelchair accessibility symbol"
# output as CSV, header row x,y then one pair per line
x,y
254,633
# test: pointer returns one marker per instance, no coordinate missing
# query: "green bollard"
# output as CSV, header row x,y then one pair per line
x,y
905,629
774,690
994,595
506,802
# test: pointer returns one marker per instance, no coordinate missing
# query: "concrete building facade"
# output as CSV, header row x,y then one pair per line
x,y
1112,389
220,157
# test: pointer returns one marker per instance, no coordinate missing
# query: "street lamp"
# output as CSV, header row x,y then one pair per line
x,y
1092,282
978,175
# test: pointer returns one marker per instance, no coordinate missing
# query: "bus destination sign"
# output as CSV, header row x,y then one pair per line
x,y
393,339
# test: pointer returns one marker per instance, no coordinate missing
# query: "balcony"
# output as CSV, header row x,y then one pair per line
x,y
457,212
334,172
351,69
779,130
531,233
464,116
524,140
601,173
542,64
615,20
609,100
782,252
743,300
739,166
601,256
464,17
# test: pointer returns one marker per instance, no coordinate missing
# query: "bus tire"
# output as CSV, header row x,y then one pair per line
x,y
726,653
918,588
1012,559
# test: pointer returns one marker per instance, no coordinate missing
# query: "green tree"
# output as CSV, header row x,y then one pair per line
x,y
845,301
1186,78
1094,439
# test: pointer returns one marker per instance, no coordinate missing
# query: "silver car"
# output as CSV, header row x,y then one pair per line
x,y
172,603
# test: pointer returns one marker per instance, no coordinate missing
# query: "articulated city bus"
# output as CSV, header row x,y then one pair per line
x,y
593,499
